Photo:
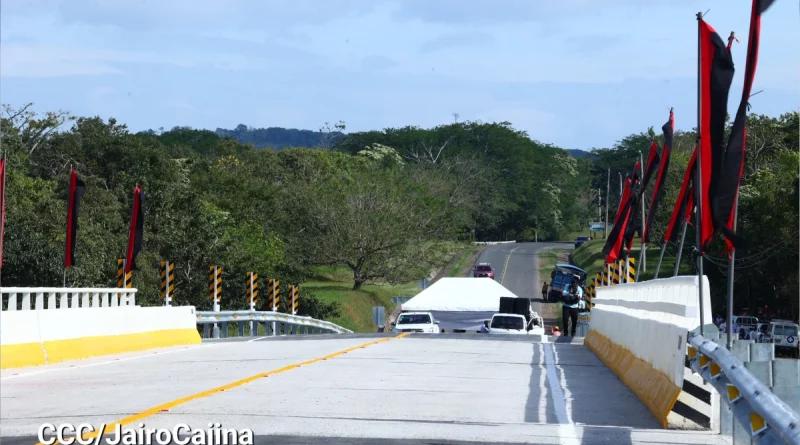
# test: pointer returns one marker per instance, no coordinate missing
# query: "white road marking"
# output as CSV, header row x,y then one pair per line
x,y
108,362
566,429
543,391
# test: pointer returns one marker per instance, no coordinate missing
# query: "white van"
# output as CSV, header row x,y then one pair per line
x,y
783,333
745,322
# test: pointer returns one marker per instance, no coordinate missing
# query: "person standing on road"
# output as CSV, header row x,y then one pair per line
x,y
544,291
571,299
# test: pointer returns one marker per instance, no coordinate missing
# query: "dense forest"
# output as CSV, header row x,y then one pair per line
x,y
387,205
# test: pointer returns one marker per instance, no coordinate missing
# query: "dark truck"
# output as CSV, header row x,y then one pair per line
x,y
561,278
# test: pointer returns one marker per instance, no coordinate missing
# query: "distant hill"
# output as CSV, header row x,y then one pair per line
x,y
278,137
581,154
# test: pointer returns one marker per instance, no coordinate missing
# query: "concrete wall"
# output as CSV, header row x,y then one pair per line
x,y
39,337
639,331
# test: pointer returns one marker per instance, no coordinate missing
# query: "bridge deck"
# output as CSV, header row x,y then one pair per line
x,y
509,391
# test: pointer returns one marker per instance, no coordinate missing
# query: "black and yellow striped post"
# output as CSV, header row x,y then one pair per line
x,y
167,282
124,280
615,273
276,295
270,283
215,285
252,289
606,276
294,290
631,270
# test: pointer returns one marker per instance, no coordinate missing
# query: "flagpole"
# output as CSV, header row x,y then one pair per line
x,y
643,254
660,258
2,210
698,174
680,248
732,258
608,195
66,240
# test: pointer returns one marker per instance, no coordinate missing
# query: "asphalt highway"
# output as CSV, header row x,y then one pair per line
x,y
517,268
418,389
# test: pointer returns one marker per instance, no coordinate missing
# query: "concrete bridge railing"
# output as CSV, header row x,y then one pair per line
x,y
45,298
640,330
42,325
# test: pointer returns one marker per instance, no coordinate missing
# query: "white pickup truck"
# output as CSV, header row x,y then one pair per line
x,y
505,324
415,322
516,316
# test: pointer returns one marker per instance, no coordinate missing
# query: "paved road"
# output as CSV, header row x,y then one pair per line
x,y
516,268
337,390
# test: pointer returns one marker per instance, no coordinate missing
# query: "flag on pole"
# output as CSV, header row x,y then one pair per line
x,y
2,205
661,178
723,200
135,234
716,75
634,223
76,189
684,203
615,238
653,161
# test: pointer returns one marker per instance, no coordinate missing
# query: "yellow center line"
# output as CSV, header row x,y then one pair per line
x,y
169,405
505,266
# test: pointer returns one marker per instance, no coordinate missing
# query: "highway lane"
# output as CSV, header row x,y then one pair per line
x,y
410,390
516,268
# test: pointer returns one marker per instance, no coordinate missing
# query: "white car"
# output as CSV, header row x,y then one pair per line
x,y
416,322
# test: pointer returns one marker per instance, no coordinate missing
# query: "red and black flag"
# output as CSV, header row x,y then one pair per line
x,y
634,224
614,241
135,235
2,205
684,203
661,178
723,199
716,75
653,160
76,189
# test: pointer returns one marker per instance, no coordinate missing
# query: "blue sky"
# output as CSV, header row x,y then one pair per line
x,y
575,73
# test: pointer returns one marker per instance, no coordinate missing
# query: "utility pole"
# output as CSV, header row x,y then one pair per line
x,y
608,193
620,184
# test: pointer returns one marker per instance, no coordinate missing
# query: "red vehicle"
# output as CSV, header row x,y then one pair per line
x,y
483,270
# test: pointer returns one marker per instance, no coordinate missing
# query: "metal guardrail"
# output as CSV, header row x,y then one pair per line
x,y
770,420
242,317
19,298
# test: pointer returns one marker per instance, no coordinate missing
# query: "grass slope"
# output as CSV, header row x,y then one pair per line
x,y
462,265
334,285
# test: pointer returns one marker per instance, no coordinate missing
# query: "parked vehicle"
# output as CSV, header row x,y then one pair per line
x,y
783,333
562,276
743,323
580,240
483,270
416,322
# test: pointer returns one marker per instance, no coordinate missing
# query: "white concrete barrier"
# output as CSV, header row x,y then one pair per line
x,y
57,333
639,331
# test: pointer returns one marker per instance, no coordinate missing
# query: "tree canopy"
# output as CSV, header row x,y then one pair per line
x,y
387,205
